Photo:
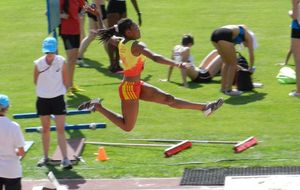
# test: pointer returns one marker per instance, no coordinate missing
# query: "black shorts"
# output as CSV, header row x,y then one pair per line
x,y
115,6
71,41
295,33
10,184
203,77
48,106
222,34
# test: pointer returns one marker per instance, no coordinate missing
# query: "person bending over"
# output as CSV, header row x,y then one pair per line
x,y
224,40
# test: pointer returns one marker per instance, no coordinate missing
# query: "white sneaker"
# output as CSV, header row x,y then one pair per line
x,y
295,94
81,63
66,164
257,85
233,92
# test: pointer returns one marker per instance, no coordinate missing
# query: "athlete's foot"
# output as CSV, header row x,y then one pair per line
x,y
90,105
213,106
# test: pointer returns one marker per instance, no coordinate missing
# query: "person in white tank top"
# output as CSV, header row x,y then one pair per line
x,y
11,147
50,78
208,68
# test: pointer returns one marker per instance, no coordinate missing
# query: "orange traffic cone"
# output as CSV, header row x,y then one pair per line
x,y
101,156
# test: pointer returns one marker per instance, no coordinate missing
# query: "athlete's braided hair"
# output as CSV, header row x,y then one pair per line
x,y
118,30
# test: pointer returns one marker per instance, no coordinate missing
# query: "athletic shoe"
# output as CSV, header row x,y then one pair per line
x,y
81,63
70,93
257,85
233,92
89,105
43,162
213,106
75,88
295,94
66,164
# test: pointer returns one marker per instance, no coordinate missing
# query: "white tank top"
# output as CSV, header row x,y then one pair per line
x,y
50,81
177,54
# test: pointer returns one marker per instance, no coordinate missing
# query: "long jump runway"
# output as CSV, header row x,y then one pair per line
x,y
118,184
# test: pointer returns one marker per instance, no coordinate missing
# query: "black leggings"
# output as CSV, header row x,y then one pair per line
x,y
10,184
222,34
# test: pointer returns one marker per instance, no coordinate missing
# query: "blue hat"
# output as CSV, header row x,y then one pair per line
x,y
4,101
49,45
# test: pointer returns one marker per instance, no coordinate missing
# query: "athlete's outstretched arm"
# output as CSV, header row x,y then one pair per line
x,y
140,48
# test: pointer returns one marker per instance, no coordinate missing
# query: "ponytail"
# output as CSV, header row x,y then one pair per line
x,y
106,34
118,30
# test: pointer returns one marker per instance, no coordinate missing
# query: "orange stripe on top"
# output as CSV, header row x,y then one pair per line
x,y
133,65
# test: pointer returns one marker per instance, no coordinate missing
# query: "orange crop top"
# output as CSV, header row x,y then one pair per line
x,y
133,65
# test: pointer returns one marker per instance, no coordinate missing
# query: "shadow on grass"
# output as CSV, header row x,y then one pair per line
x,y
92,64
245,98
75,134
67,174
147,78
73,102
194,85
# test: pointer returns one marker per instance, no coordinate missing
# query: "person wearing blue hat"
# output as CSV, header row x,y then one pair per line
x,y
11,147
50,78
4,102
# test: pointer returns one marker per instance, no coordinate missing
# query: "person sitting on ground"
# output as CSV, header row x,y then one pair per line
x,y
132,89
208,68
11,148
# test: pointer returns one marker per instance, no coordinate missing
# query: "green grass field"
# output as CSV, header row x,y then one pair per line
x,y
268,113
